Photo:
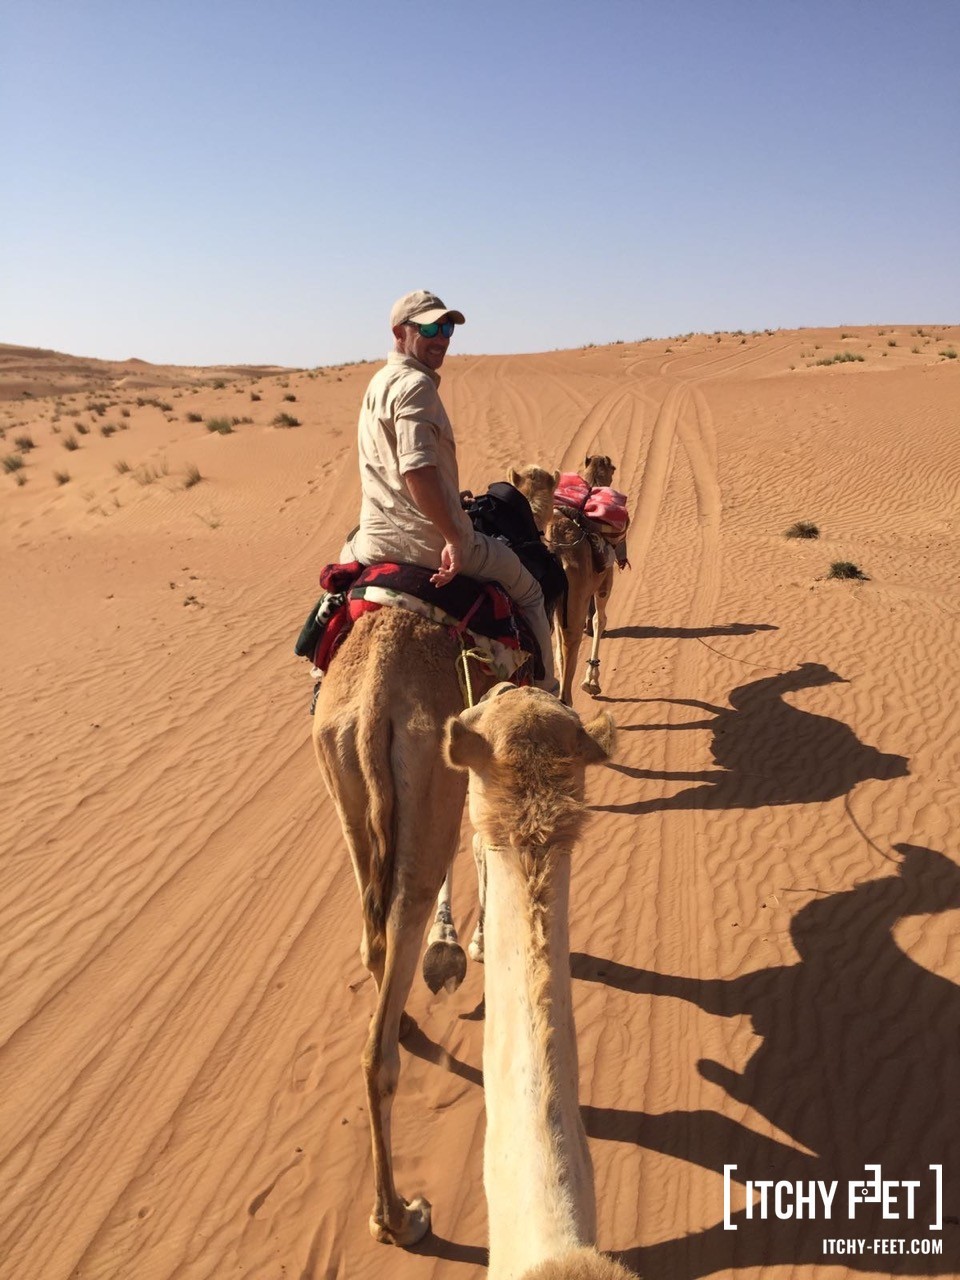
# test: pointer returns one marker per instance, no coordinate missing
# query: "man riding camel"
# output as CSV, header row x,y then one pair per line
x,y
410,508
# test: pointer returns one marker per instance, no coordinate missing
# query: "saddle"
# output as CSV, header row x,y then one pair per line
x,y
481,614
599,512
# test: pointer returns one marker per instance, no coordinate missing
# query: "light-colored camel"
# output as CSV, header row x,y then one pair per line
x,y
584,582
378,732
526,754
538,486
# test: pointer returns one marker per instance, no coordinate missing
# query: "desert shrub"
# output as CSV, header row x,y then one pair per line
x,y
24,443
290,397
149,472
61,477
70,443
192,476
949,354
842,357
222,426
121,466
108,429
846,569
194,417
13,462
255,395
285,420
20,478
82,429
802,529
891,342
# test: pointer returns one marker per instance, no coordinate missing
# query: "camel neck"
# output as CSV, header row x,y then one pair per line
x,y
537,1171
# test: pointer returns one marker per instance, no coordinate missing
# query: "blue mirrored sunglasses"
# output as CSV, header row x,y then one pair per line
x,y
443,327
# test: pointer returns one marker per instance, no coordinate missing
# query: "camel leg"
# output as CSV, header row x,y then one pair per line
x,y
444,963
394,1220
591,679
475,948
569,649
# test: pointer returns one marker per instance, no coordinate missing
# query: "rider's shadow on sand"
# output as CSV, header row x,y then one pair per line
x,y
769,752
859,1064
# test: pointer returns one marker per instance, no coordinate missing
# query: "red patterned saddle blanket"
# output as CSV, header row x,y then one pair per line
x,y
480,612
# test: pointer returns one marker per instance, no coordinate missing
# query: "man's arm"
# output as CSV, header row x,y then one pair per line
x,y
430,498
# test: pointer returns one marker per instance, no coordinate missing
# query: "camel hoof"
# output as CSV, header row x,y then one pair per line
x,y
444,965
414,1224
475,949
593,689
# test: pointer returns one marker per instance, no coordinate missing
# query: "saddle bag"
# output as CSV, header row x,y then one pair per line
x,y
503,512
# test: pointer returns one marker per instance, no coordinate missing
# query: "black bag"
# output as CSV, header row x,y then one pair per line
x,y
503,512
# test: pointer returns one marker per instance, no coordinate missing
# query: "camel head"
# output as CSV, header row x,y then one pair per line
x,y
598,470
538,486
526,754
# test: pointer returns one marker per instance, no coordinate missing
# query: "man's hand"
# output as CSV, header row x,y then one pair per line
x,y
450,560
432,499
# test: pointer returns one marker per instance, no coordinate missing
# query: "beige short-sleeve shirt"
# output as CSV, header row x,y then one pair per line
x,y
403,425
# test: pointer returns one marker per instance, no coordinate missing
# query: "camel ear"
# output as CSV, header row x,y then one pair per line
x,y
597,739
463,748
513,475
587,462
556,478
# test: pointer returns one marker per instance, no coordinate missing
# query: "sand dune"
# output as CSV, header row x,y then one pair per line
x,y
764,916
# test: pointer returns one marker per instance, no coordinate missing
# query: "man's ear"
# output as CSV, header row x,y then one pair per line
x,y
463,748
597,738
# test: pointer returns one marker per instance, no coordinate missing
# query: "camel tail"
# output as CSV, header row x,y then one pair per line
x,y
374,748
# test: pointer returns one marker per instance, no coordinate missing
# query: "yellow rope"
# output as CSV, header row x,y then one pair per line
x,y
463,670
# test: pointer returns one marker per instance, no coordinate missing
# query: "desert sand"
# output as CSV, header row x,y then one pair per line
x,y
764,912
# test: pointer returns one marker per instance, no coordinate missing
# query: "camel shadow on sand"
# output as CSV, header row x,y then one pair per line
x,y
859,1065
768,752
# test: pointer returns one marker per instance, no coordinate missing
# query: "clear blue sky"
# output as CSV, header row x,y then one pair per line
x,y
199,181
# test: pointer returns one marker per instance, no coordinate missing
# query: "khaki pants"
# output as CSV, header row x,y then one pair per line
x,y
487,560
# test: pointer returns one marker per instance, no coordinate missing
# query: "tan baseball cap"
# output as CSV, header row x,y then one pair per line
x,y
423,307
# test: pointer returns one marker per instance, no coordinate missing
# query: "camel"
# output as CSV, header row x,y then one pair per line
x,y
585,583
378,730
526,754
538,486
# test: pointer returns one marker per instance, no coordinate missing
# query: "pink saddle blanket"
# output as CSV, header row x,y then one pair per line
x,y
606,506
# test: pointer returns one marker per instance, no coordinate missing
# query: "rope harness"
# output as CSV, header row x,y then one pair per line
x,y
463,671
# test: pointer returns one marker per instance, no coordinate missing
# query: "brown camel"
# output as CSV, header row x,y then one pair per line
x,y
526,754
378,731
585,583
